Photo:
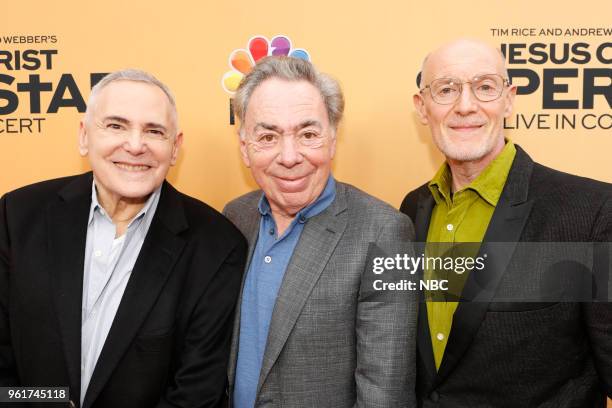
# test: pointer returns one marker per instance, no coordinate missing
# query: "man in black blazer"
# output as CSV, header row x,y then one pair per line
x,y
495,352
113,283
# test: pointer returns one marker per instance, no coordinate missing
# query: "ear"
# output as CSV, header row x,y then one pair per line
x,y
83,140
510,101
178,142
421,109
244,151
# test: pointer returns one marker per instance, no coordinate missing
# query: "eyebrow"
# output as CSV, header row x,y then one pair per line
x,y
302,125
308,123
125,121
155,126
480,74
116,119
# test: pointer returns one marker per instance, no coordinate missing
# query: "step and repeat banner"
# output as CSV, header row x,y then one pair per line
x,y
559,55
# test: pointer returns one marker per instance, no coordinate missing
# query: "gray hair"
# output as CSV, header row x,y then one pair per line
x,y
290,69
134,75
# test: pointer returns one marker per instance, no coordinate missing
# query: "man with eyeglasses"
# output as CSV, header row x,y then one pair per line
x,y
489,353
113,284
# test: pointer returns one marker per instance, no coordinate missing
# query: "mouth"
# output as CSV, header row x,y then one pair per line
x,y
465,128
290,179
291,184
132,167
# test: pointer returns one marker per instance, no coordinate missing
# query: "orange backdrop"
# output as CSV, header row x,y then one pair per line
x,y
374,48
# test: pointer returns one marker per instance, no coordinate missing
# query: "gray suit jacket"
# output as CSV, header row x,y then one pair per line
x,y
327,345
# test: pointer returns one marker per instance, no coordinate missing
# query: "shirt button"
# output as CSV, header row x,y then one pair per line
x,y
98,253
449,227
302,219
271,231
268,259
440,336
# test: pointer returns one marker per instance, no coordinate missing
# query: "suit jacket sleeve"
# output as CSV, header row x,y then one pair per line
x,y
386,335
8,374
201,376
598,315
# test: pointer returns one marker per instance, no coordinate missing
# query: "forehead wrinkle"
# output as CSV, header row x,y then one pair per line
x,y
279,105
465,71
107,94
285,105
266,126
463,78
304,124
464,53
294,117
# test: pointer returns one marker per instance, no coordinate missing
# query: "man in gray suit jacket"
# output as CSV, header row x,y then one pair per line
x,y
306,333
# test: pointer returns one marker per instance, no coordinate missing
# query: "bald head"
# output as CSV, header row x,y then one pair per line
x,y
464,55
467,127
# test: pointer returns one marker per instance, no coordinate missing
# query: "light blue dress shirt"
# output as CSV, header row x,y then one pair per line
x,y
264,277
109,261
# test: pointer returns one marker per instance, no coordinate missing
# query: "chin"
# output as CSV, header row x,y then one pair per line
x,y
464,151
135,192
294,201
464,156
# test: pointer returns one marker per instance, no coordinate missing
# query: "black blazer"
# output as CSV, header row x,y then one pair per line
x,y
523,354
169,342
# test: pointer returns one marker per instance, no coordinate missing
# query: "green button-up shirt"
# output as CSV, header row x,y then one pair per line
x,y
461,217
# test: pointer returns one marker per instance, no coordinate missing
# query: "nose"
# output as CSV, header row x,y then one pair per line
x,y
467,102
289,154
135,142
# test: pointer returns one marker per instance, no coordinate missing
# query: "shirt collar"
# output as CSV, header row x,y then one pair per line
x,y
324,200
440,184
489,183
95,204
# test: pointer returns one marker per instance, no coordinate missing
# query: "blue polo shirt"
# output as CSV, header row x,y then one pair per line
x,y
264,277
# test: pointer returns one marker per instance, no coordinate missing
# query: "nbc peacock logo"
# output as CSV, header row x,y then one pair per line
x,y
241,60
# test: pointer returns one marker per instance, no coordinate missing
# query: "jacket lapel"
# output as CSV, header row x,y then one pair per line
x,y
506,226
67,234
425,350
251,231
159,253
423,216
317,243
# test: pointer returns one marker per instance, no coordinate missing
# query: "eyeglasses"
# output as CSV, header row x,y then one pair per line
x,y
486,88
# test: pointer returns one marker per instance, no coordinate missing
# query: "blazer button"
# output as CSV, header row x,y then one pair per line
x,y
435,397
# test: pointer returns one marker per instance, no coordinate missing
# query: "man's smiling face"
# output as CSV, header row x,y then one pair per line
x,y
468,129
130,139
288,143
